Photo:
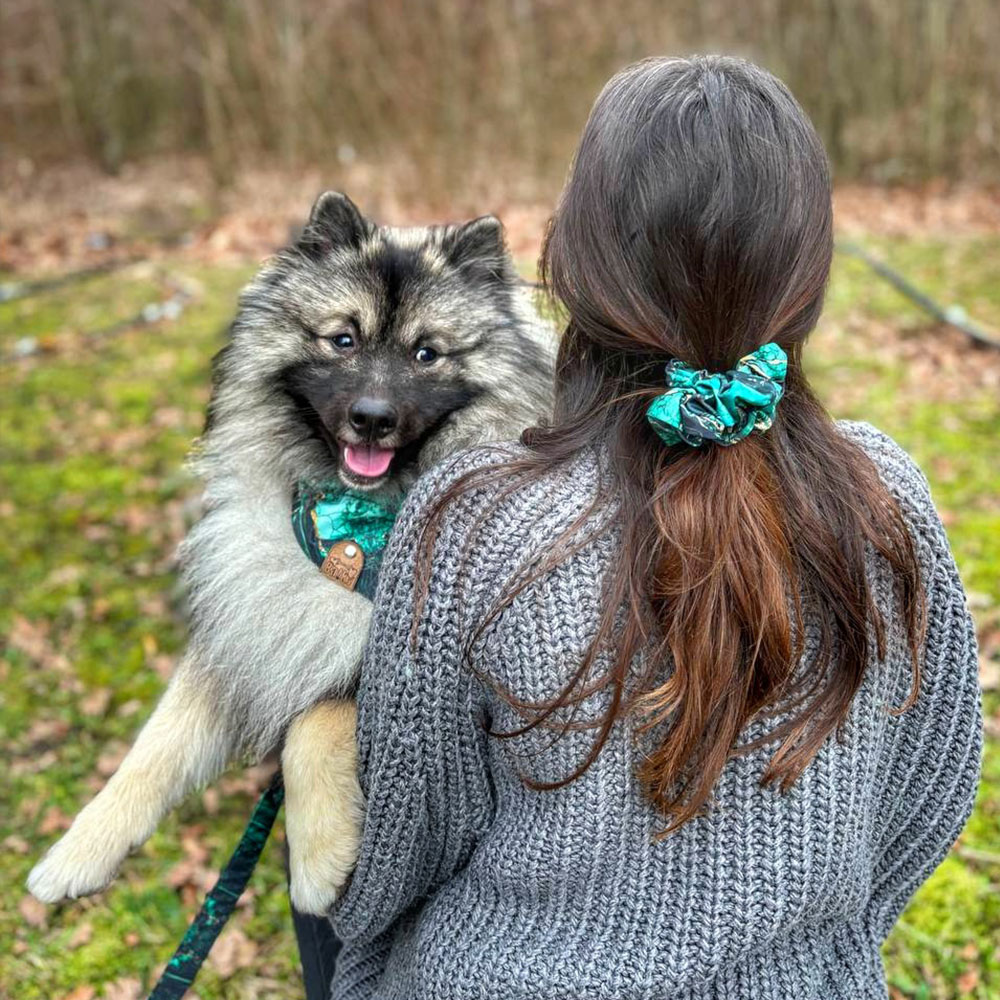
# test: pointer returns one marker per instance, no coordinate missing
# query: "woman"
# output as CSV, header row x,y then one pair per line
x,y
679,697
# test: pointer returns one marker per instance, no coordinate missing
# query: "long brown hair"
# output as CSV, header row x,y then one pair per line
x,y
697,225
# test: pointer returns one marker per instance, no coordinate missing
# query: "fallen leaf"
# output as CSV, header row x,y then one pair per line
x,y
191,843
163,665
183,873
96,702
234,950
108,762
31,638
44,732
16,844
53,820
81,993
34,913
34,764
970,952
989,674
81,936
123,989
968,981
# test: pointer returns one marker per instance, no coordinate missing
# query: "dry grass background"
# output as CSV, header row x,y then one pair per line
x,y
442,93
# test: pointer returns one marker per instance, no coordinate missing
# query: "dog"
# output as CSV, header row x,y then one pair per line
x,y
362,355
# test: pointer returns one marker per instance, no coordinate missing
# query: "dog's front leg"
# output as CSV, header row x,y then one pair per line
x,y
184,744
324,804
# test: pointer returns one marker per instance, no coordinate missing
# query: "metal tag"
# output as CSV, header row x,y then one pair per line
x,y
343,563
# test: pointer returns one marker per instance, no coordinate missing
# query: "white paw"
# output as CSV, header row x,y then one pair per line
x,y
74,866
323,843
312,895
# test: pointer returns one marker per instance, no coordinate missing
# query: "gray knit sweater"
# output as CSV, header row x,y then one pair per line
x,y
471,885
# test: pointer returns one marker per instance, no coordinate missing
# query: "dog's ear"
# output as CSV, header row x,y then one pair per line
x,y
333,222
479,248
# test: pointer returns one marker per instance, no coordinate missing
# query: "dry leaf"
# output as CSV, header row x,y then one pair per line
x,y
123,989
968,981
31,638
44,732
234,950
183,873
163,665
989,674
210,801
16,844
96,702
33,764
192,846
34,913
81,993
81,936
53,820
108,762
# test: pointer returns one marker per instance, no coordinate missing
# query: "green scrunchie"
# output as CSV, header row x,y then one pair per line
x,y
723,407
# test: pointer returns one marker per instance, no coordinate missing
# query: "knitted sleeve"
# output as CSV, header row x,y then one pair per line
x,y
931,782
421,732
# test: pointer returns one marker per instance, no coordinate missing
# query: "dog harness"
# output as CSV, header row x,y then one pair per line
x,y
344,534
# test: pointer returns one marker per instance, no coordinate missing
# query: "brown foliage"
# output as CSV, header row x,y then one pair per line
x,y
443,90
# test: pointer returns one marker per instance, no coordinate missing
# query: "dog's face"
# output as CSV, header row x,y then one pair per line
x,y
379,336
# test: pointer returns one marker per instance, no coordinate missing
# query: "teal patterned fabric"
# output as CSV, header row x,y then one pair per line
x,y
322,515
219,903
722,407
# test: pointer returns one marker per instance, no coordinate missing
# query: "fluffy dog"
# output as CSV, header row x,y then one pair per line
x,y
361,355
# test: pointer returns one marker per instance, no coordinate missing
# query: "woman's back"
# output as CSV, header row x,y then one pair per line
x,y
472,883
678,698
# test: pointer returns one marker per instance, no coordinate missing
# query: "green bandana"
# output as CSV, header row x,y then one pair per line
x,y
723,407
323,515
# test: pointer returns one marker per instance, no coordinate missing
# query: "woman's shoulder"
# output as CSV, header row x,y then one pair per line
x,y
489,478
897,468
448,471
902,477
487,518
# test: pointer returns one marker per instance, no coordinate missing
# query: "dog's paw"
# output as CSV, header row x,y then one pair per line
x,y
313,895
74,866
323,842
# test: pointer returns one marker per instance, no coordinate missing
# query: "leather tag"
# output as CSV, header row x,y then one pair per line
x,y
343,563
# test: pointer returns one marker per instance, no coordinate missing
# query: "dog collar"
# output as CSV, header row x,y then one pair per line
x,y
344,533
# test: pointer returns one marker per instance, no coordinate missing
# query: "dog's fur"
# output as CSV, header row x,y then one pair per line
x,y
271,638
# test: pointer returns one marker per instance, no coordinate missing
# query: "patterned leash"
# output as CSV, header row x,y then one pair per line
x,y
220,902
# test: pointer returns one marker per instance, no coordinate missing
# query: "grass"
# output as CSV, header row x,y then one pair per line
x,y
93,497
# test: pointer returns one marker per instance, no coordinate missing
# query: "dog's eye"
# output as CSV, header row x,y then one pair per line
x,y
426,355
343,340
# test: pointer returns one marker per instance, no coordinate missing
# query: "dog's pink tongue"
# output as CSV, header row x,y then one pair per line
x,y
367,460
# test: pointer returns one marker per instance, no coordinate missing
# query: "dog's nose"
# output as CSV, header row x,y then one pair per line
x,y
373,418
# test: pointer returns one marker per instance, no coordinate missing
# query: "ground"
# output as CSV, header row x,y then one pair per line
x,y
98,413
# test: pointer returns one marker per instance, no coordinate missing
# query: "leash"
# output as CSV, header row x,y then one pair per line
x,y
221,900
